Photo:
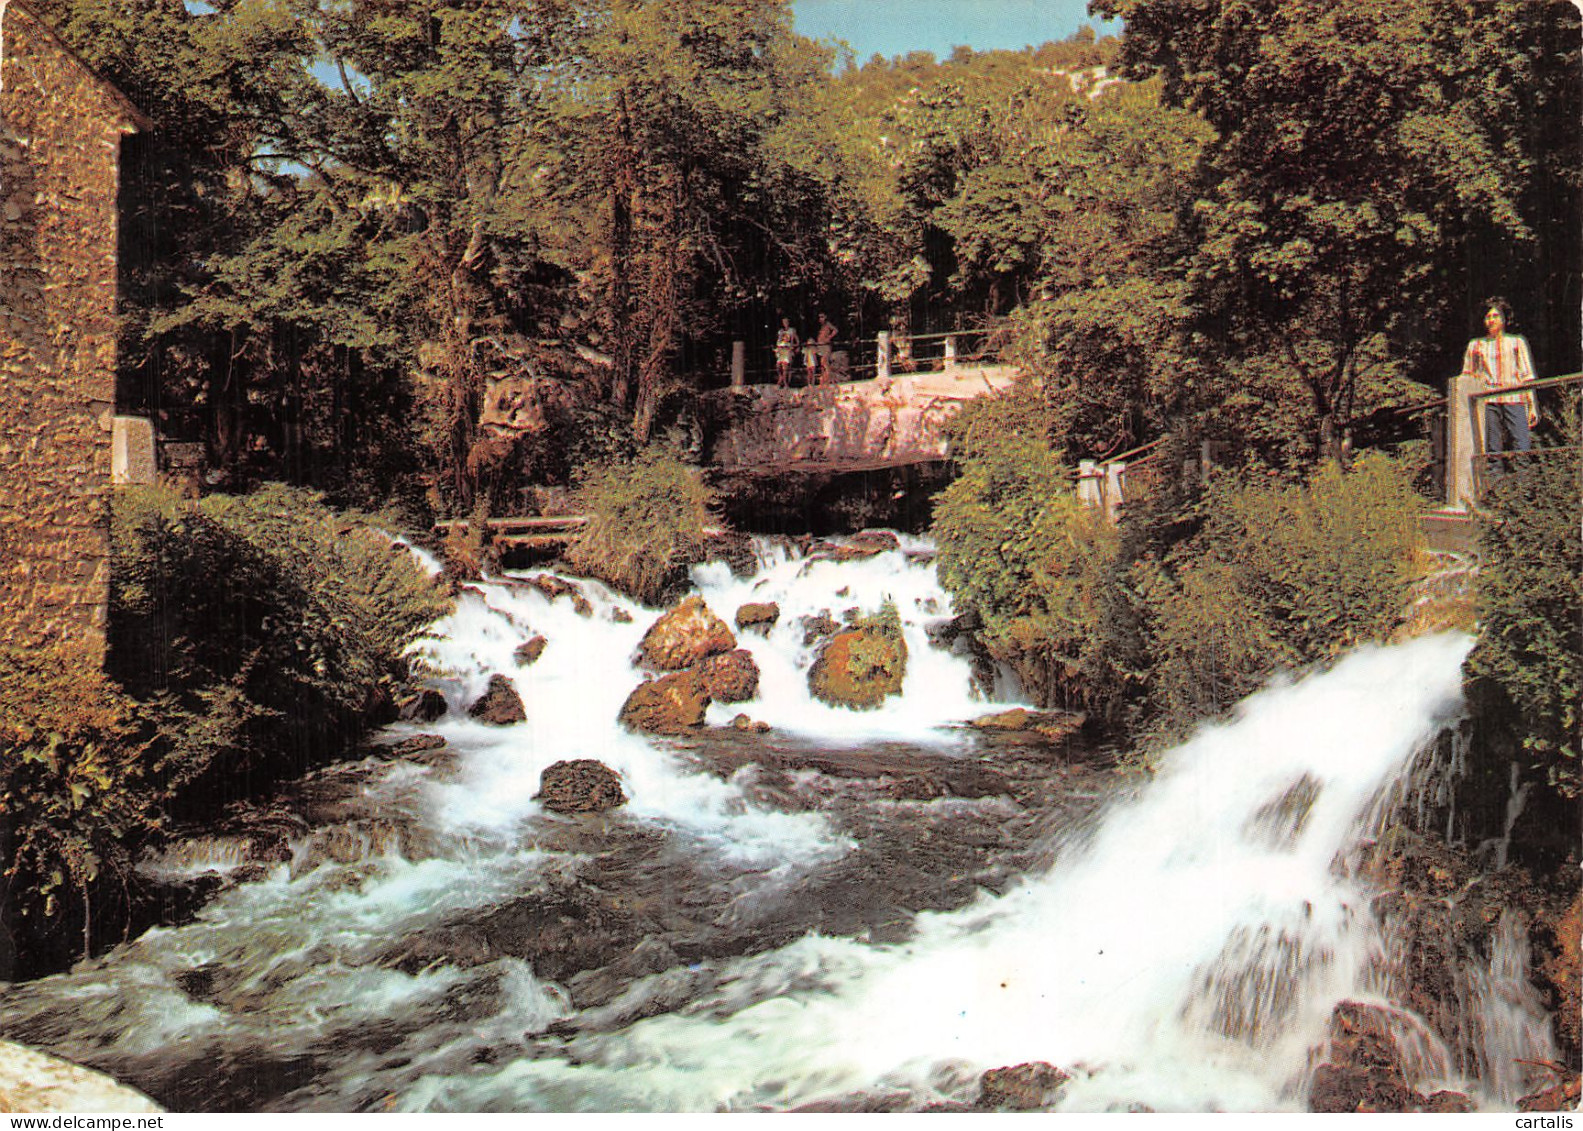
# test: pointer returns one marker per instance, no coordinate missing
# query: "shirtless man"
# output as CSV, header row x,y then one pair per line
x,y
824,341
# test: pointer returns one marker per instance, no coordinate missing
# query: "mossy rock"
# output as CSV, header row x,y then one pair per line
x,y
859,667
671,704
684,637
758,615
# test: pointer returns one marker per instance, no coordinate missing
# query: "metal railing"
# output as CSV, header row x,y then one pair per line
x,y
1470,463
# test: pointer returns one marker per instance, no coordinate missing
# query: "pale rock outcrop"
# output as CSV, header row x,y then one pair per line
x,y
37,1083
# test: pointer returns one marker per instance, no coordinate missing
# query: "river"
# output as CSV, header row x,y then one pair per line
x,y
851,910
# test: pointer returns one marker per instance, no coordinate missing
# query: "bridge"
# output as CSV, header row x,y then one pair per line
x,y
891,417
889,420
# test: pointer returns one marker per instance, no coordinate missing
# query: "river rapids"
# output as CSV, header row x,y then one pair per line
x,y
854,910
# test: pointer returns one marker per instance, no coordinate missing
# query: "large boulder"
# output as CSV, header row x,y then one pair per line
x,y
859,667
580,785
759,616
685,637
1363,1068
732,677
1021,1087
500,705
671,704
32,1081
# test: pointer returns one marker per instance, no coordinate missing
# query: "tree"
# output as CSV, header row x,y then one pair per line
x,y
655,157
1361,152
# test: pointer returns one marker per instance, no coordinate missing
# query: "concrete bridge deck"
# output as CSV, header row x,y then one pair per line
x,y
852,426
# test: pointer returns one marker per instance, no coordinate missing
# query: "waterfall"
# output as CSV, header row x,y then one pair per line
x,y
1513,1030
1189,956
1184,949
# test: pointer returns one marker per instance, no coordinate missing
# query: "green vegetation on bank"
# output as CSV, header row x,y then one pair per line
x,y
1279,575
1042,570
646,522
1193,602
1529,658
250,638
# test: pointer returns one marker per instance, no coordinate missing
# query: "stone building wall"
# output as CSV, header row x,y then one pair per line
x,y
60,136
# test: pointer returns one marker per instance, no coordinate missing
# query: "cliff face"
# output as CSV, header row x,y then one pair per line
x,y
60,133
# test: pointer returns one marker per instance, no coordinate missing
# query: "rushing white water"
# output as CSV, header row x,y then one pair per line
x,y
1514,1036
1185,956
935,694
1190,958
575,690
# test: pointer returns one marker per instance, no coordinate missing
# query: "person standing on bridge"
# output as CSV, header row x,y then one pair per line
x,y
786,343
1501,361
825,341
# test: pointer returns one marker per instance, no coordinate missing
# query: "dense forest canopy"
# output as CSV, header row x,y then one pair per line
x,y
1256,222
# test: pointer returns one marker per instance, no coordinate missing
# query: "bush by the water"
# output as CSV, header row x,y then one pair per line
x,y
646,522
248,639
1094,618
1042,570
75,800
261,632
1530,602
1279,575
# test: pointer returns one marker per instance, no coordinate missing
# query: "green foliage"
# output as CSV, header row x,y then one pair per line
x,y
1530,602
877,652
1375,169
1041,569
258,631
73,791
646,520
1280,575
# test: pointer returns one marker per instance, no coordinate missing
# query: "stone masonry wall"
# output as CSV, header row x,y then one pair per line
x,y
60,133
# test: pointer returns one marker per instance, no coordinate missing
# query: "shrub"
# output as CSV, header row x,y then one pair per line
x,y
259,632
1530,602
1278,575
1040,568
74,798
646,521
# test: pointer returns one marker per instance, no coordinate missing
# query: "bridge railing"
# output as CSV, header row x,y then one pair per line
x,y
1466,464
881,356
1126,478
1469,462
